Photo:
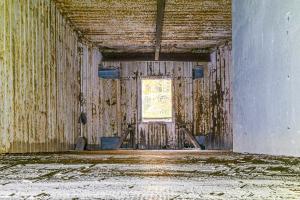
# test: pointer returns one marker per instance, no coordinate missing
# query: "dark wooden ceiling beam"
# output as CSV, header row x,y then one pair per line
x,y
159,26
125,56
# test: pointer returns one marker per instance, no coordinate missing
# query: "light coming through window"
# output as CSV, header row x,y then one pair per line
x,y
157,100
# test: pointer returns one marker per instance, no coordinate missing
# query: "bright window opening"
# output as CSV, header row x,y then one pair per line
x,y
156,100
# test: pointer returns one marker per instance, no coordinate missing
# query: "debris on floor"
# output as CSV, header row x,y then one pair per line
x,y
149,175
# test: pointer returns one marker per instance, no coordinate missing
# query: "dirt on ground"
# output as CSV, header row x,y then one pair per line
x,y
131,174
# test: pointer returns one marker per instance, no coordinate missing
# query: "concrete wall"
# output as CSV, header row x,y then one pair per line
x,y
39,78
266,65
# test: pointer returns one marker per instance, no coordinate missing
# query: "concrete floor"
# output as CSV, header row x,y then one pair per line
x,y
149,175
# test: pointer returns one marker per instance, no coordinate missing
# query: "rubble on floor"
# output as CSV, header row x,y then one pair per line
x,y
149,175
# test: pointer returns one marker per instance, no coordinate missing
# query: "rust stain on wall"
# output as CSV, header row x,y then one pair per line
x,y
202,105
213,100
40,70
39,78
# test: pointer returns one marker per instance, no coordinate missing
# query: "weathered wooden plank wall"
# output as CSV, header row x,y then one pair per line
x,y
39,75
159,135
203,105
116,103
213,100
90,97
40,89
220,99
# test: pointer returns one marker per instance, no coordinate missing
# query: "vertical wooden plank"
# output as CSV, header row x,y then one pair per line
x,y
66,83
46,64
22,69
42,121
52,71
77,94
29,77
87,92
84,83
2,76
58,49
62,80
9,104
15,67
35,113
156,69
95,96
118,107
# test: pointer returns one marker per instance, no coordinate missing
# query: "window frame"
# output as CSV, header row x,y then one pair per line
x,y
156,120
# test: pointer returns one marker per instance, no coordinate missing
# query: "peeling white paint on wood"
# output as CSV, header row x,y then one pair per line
x,y
40,88
39,78
115,104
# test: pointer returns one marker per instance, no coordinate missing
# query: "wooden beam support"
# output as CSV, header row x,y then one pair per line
x,y
124,136
159,26
191,137
197,57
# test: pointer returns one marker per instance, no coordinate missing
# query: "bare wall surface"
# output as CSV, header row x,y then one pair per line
x,y
266,45
39,86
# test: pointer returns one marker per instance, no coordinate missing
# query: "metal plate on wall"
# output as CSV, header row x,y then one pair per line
x,y
109,73
198,72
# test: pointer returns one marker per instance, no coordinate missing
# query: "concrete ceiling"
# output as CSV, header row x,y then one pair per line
x,y
130,25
